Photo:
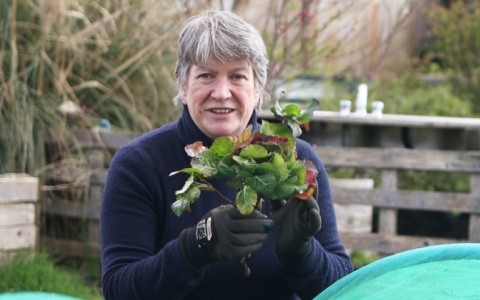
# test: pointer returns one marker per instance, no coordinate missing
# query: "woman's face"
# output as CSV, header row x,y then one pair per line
x,y
221,97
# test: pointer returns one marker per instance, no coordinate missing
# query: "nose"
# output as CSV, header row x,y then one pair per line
x,y
221,89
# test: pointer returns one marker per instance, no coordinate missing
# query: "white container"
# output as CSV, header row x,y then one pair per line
x,y
345,107
361,103
377,109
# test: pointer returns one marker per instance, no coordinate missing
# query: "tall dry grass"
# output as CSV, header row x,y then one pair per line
x,y
108,59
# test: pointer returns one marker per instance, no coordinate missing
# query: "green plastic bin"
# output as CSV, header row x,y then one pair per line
x,y
450,271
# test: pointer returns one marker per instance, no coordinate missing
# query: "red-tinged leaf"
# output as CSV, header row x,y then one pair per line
x,y
234,139
245,137
312,172
311,177
193,150
306,126
307,194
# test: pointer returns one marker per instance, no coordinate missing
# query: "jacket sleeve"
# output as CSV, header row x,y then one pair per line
x,y
133,264
328,260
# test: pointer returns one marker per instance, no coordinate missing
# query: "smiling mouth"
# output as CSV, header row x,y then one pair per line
x,y
221,111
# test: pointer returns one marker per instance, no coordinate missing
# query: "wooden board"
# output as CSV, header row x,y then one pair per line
x,y
18,188
19,236
17,214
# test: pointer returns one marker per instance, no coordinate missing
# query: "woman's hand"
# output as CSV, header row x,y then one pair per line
x,y
296,222
224,234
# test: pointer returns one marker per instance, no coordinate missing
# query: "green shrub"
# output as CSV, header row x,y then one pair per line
x,y
456,44
39,273
363,258
409,94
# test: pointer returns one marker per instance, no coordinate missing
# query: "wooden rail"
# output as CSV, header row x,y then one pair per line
x,y
387,198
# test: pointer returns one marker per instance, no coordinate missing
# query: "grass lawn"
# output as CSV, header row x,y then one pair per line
x,y
39,273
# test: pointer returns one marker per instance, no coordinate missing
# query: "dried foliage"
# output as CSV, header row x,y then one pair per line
x,y
67,64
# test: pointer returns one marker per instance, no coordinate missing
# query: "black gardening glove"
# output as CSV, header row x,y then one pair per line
x,y
296,222
224,234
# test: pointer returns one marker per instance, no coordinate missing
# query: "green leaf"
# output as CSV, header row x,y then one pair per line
x,y
262,184
187,185
299,170
246,200
180,206
292,110
254,151
277,129
277,109
242,161
295,126
281,168
264,168
191,171
194,192
206,163
249,167
313,106
189,193
221,146
226,169
287,189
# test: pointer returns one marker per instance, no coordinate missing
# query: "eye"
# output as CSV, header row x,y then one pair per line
x,y
205,75
238,76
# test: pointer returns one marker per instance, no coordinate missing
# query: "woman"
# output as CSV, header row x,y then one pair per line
x,y
150,253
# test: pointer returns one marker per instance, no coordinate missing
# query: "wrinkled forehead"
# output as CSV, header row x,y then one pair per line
x,y
206,58
215,63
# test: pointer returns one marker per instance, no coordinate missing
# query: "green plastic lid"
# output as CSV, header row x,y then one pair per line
x,y
35,296
449,271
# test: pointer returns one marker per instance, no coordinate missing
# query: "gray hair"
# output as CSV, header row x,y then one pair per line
x,y
226,37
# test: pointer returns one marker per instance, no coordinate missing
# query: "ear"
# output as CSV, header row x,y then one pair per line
x,y
257,93
183,95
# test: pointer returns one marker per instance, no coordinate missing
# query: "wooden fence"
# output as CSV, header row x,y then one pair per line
x,y
72,197
389,199
18,214
386,198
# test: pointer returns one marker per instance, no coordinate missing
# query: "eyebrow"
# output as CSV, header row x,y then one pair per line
x,y
236,69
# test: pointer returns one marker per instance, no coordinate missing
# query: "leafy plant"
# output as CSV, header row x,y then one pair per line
x,y
409,94
256,164
456,45
362,258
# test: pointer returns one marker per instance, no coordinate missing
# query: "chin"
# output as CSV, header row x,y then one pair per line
x,y
222,133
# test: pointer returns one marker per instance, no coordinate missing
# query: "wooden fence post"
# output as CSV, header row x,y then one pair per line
x,y
388,216
474,228
18,214
97,162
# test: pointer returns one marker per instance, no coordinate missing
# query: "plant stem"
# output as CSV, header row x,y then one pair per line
x,y
220,195
224,198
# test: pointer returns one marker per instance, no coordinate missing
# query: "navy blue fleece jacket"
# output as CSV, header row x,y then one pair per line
x,y
139,232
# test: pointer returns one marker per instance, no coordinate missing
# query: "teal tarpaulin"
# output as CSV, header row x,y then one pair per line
x,y
449,271
35,296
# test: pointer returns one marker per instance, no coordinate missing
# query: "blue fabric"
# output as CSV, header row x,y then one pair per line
x,y
450,271
139,231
